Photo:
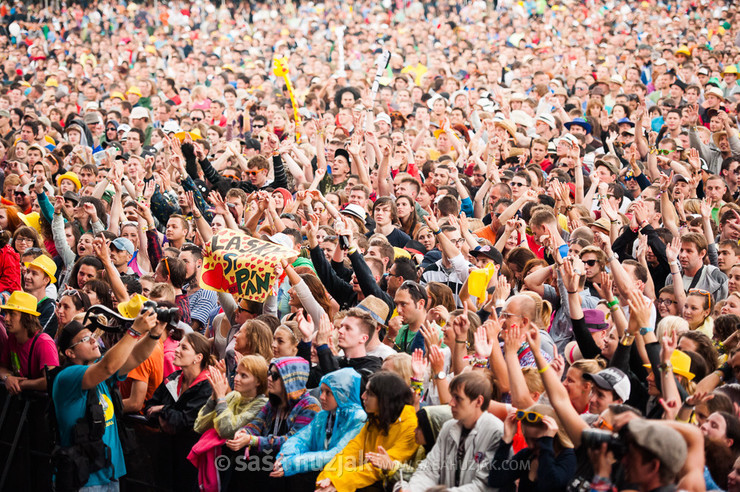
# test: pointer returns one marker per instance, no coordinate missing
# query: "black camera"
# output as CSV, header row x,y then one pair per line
x,y
170,316
594,438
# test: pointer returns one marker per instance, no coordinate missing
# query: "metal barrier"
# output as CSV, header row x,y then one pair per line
x,y
26,441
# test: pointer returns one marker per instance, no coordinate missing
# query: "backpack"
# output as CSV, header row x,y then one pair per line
x,y
74,464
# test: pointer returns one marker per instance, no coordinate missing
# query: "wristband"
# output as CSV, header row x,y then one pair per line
x,y
436,233
134,333
157,337
542,371
461,341
352,250
612,303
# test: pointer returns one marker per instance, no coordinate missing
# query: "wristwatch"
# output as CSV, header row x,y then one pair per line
x,y
645,330
440,375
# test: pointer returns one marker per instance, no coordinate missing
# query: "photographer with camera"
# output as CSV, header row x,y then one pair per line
x,y
656,455
85,371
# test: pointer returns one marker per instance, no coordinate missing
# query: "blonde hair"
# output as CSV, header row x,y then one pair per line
x,y
534,380
669,324
401,364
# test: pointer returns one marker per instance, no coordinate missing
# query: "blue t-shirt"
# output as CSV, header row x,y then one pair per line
x,y
69,403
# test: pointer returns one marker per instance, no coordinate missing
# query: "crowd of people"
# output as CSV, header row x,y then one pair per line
x,y
515,245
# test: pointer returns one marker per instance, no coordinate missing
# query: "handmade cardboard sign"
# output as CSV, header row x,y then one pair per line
x,y
241,265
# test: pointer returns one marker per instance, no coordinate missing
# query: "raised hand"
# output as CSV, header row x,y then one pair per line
x,y
461,324
668,345
325,329
672,249
418,364
483,346
58,204
430,334
436,359
305,326
219,207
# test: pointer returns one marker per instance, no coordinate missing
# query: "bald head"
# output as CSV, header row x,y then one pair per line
x,y
522,306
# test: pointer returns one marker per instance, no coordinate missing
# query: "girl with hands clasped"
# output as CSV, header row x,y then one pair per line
x,y
547,463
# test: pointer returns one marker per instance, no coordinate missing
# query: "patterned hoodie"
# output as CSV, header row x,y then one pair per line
x,y
303,407
308,450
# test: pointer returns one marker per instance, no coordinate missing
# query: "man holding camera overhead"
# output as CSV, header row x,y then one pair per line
x,y
84,370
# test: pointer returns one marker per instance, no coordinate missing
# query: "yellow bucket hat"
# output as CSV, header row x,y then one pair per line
x,y
22,302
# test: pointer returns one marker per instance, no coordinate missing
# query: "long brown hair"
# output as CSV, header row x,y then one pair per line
x,y
318,291
201,345
259,338
410,224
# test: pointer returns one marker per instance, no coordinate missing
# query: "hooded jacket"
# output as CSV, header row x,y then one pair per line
x,y
307,450
711,279
348,470
440,464
303,407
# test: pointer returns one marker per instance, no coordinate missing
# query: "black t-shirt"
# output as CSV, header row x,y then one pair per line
x,y
48,317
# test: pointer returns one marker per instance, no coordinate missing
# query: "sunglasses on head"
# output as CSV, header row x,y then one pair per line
x,y
702,292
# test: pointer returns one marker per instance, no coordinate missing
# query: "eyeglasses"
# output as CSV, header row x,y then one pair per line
x,y
84,339
666,302
274,375
590,262
458,241
661,151
24,240
167,266
531,417
505,315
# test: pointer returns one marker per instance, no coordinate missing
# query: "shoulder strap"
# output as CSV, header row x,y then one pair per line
x,y
695,280
30,353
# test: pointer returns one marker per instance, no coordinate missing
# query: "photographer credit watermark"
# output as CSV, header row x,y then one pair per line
x,y
266,463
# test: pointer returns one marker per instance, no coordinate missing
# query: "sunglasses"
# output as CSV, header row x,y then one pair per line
x,y
196,119
531,417
258,127
702,292
590,262
252,173
514,183
111,129
71,293
626,134
274,375
19,193
603,424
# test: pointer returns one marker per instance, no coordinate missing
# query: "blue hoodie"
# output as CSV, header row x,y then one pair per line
x,y
306,450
